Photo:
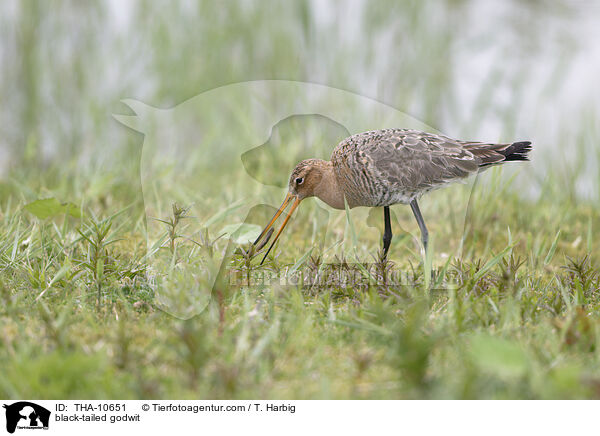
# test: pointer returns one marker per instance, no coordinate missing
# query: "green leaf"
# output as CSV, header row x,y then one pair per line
x,y
155,247
491,263
60,273
51,207
221,215
365,273
499,356
428,264
442,274
58,276
301,261
100,267
241,233
552,250
84,236
15,248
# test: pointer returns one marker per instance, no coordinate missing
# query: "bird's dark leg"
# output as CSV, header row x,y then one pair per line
x,y
387,232
424,233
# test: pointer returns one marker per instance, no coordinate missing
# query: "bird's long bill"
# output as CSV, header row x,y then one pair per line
x,y
283,206
288,197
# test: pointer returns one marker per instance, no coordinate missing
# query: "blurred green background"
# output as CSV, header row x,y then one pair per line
x,y
481,70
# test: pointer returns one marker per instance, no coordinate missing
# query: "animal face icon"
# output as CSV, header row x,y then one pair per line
x,y
26,414
214,168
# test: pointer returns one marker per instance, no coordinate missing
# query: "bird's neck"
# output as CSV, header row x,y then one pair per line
x,y
329,189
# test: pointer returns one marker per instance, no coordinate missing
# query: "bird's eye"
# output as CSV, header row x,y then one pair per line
x,y
299,181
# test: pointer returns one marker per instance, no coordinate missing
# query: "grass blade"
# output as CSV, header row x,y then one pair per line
x,y
350,225
552,250
491,263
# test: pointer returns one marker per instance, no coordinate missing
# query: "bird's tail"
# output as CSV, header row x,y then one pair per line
x,y
494,154
517,151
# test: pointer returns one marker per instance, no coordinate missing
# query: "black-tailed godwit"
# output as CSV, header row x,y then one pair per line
x,y
381,168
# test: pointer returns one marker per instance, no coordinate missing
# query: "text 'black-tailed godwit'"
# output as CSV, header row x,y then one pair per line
x,y
381,168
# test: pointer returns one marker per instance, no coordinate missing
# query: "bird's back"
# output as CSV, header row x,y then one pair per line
x,y
389,166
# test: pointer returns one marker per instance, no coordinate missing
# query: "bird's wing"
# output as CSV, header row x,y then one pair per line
x,y
415,161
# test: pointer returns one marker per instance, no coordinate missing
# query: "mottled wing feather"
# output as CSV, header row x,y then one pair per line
x,y
420,161
395,165
384,167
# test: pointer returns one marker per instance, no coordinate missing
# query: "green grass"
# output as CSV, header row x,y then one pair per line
x,y
515,316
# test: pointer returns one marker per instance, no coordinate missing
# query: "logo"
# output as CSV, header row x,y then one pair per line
x,y
256,133
26,415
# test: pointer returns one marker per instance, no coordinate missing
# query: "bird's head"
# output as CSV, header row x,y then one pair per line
x,y
305,181
306,178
